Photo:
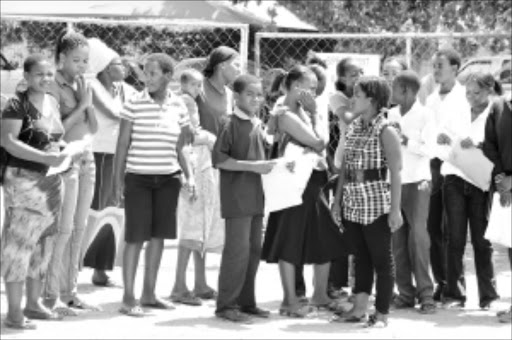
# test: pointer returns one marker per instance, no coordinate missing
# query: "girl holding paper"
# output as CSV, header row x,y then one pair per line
x,y
31,132
303,234
464,202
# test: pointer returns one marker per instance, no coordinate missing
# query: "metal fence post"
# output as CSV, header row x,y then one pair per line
x,y
244,47
408,50
257,54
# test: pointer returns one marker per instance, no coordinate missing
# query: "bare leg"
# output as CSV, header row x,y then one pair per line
x,y
34,291
200,285
287,272
152,265
130,263
321,278
14,292
180,282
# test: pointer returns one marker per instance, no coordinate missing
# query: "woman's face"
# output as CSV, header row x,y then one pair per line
x,y
476,95
230,69
116,70
360,103
307,84
75,62
390,70
351,76
40,76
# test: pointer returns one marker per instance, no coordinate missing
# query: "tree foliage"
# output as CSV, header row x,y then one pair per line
x,y
361,16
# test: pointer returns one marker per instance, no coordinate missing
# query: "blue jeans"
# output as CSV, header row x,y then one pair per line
x,y
240,262
465,203
61,279
411,246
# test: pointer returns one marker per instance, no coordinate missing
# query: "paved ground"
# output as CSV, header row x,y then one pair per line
x,y
199,322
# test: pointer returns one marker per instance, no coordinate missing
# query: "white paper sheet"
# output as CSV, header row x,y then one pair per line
x,y
499,229
284,189
473,164
72,148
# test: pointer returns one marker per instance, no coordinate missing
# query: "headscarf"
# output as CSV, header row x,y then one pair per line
x,y
100,55
217,56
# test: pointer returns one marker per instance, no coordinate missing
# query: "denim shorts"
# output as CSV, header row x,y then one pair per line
x,y
150,206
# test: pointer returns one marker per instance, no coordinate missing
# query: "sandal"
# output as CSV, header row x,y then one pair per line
x,y
299,311
135,311
78,303
40,315
24,324
158,304
208,295
375,321
331,306
186,298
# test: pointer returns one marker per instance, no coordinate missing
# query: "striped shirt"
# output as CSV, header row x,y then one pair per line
x,y
155,132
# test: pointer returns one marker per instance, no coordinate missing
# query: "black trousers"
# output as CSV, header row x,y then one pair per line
x,y
373,251
436,225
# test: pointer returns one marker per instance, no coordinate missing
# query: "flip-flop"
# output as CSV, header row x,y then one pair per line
x,y
24,324
186,298
134,311
208,295
332,306
109,283
158,304
39,315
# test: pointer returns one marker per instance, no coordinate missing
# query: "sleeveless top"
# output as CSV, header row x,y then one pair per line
x,y
364,202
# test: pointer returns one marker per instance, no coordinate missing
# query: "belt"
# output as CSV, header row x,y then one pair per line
x,y
367,175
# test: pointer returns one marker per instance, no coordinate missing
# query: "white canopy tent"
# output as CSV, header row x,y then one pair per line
x,y
251,13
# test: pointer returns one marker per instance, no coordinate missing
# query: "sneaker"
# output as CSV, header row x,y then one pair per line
x,y
428,308
401,303
234,315
377,321
505,316
486,304
454,304
438,293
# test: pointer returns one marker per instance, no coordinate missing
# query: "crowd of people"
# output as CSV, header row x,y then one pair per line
x,y
382,203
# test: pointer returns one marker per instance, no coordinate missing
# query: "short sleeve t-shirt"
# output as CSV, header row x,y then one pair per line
x,y
39,130
241,192
214,107
155,133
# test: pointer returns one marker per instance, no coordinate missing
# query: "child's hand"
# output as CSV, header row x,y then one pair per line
x,y
504,183
290,166
506,199
264,167
424,186
405,139
190,186
308,102
443,139
467,143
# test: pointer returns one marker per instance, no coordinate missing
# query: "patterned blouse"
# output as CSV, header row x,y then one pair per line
x,y
364,202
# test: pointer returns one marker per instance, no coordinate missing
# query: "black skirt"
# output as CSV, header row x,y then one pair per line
x,y
305,234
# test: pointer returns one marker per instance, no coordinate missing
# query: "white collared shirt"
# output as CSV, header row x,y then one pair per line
x,y
418,126
452,113
477,134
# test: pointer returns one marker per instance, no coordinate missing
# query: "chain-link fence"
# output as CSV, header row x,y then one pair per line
x,y
282,50
187,42
479,51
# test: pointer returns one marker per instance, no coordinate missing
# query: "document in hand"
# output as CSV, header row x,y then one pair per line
x,y
473,164
499,229
71,149
283,188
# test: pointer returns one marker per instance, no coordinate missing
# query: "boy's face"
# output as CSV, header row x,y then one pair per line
x,y
399,93
443,71
192,87
251,98
156,79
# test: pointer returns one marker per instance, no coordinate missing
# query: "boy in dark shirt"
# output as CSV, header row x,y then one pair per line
x,y
239,153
